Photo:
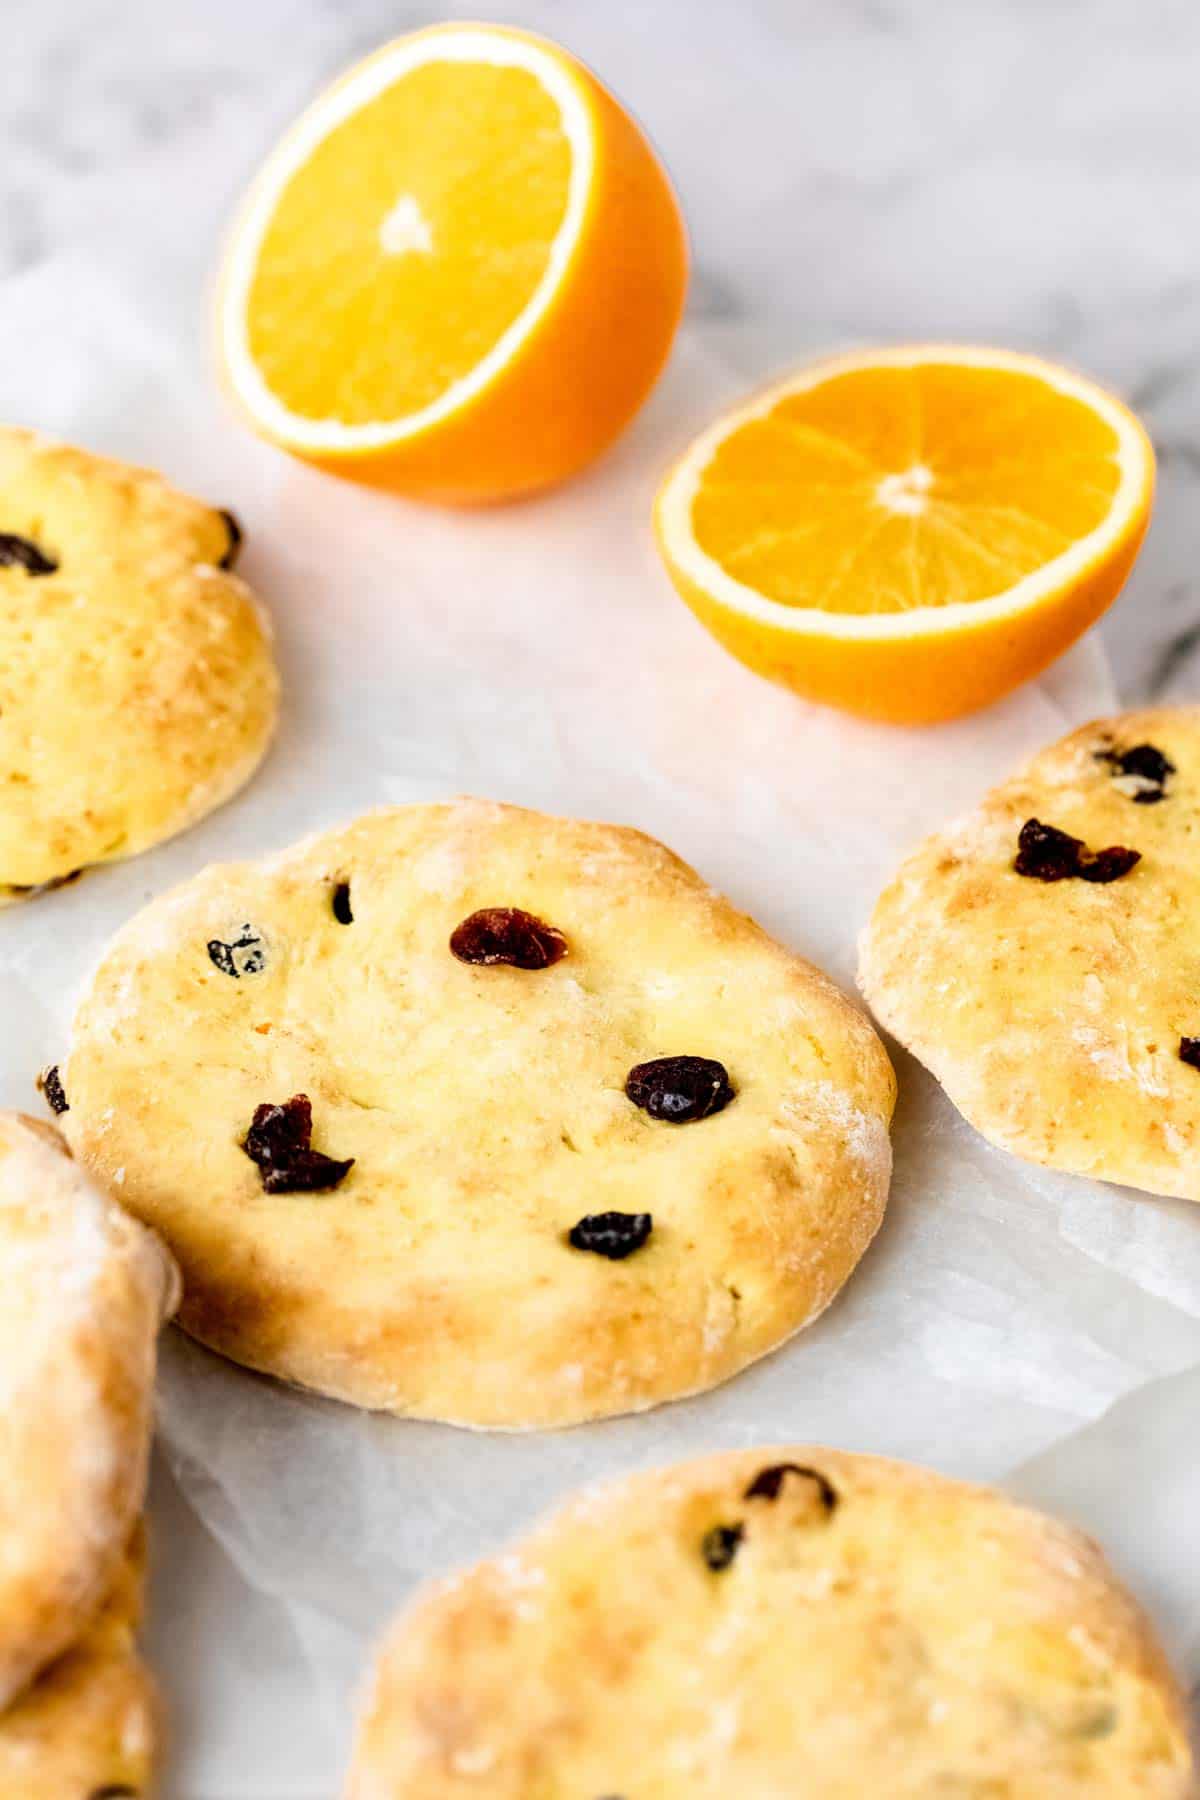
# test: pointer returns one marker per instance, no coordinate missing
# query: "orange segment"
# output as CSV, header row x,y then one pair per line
x,y
924,493
909,533
407,246
459,273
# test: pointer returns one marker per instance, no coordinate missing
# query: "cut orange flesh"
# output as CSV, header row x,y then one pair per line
x,y
459,273
908,534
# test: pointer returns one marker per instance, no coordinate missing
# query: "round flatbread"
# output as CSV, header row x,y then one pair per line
x,y
85,1290
1040,955
791,1621
479,1115
89,1726
137,685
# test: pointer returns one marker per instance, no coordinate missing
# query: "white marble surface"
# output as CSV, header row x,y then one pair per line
x,y
1021,170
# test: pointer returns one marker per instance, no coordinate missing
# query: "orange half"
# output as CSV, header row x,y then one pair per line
x,y
909,533
459,273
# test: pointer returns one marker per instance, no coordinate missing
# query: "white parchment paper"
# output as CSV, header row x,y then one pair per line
x,y
537,654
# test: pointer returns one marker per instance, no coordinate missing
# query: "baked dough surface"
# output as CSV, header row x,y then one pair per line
x,y
875,1630
89,1726
85,1289
137,684
1052,1012
485,1111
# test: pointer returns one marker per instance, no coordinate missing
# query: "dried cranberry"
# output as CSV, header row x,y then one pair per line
x,y
341,904
768,1482
612,1234
1145,766
505,934
246,955
279,1142
1108,865
719,1546
22,553
237,538
680,1088
1047,854
1189,1052
278,1130
50,1082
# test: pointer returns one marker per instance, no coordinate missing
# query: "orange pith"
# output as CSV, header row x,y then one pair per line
x,y
324,282
889,489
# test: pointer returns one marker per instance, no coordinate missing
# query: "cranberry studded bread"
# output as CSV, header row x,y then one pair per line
x,y
89,1727
479,1115
770,1623
1040,955
137,685
85,1291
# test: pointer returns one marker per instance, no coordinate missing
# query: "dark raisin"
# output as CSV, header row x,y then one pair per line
x,y
768,1482
50,1082
1047,854
22,553
680,1088
119,1791
221,955
1147,763
505,934
1145,766
279,1143
1189,1052
612,1234
278,1130
1108,865
237,538
719,1546
246,955
341,904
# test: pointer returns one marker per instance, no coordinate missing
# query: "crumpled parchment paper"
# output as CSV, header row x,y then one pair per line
x,y
537,654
